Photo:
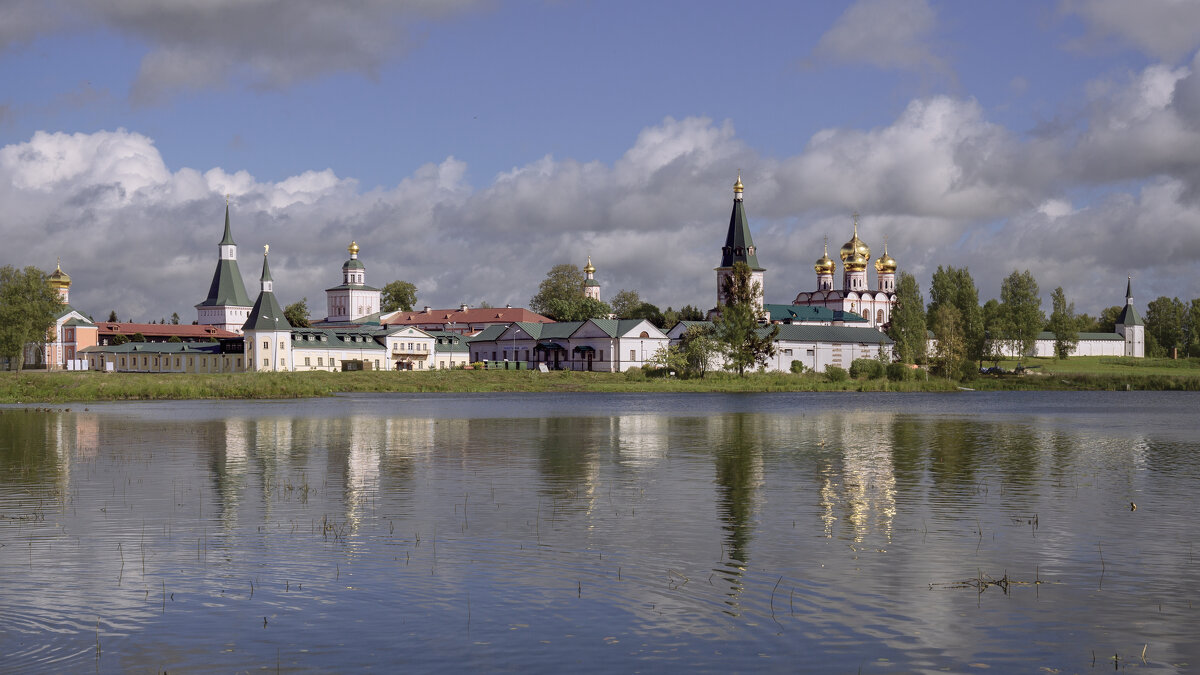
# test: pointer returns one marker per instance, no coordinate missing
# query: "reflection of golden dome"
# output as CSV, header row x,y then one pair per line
x,y
885,264
353,248
855,246
59,278
825,264
589,269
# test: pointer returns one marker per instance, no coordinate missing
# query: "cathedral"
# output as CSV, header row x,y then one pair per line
x,y
855,294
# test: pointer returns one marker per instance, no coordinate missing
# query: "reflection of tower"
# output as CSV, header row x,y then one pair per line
x,y
642,439
228,462
738,477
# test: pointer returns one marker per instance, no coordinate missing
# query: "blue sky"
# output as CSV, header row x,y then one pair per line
x,y
469,146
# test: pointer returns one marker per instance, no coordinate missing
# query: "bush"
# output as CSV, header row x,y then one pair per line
x,y
797,367
899,372
866,369
635,373
835,373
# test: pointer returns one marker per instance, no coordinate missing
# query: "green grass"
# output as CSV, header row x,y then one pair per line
x,y
1084,373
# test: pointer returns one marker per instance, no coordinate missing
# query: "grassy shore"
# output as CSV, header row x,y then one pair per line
x,y
1085,373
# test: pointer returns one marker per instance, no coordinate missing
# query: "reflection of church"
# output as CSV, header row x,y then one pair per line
x,y
873,305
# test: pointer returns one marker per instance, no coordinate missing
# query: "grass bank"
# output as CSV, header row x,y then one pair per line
x,y
1095,373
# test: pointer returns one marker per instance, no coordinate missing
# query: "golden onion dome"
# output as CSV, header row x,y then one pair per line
x,y
589,269
854,246
856,262
825,264
59,278
353,248
885,264
738,187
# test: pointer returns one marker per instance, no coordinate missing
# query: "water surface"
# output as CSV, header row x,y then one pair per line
x,y
782,532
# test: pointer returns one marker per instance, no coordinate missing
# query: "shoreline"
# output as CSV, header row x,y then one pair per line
x,y
83,387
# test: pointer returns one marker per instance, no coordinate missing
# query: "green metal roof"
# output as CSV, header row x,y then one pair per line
x,y
307,338
227,287
73,321
227,240
353,287
809,313
1048,335
739,245
1129,316
152,348
67,309
266,314
353,264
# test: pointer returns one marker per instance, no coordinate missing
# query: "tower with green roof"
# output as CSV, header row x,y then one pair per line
x,y
353,299
227,304
268,343
591,287
1130,325
739,247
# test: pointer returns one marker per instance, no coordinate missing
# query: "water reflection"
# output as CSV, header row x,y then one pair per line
x,y
714,534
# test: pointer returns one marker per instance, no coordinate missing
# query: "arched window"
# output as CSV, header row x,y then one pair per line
x,y
879,316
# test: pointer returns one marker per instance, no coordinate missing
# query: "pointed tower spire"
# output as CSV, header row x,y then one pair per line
x,y
739,246
1129,290
266,314
227,303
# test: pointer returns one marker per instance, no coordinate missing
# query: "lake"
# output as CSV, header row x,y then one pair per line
x,y
873,533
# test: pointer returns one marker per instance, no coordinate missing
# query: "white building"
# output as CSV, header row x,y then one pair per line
x,y
603,345
816,347
874,305
268,335
353,299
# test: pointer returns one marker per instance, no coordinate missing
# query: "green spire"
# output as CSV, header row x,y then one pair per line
x,y
1129,315
739,245
227,240
266,273
267,314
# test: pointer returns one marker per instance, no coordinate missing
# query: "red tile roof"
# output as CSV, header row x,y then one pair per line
x,y
476,316
165,330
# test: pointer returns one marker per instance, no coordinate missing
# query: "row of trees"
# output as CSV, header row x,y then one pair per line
x,y
560,297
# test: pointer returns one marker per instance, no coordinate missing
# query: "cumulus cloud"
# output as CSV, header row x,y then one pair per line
x,y
945,185
1162,28
891,34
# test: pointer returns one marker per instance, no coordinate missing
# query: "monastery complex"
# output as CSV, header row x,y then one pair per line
x,y
820,327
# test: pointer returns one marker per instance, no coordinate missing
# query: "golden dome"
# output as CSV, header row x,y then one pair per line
x,y
589,269
353,248
825,264
885,264
855,247
59,278
738,187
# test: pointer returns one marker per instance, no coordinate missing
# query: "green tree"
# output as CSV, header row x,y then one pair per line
x,y
112,316
559,292
1021,313
1063,324
398,295
577,309
1164,320
137,337
28,307
625,303
907,328
698,344
1107,321
955,287
119,339
650,313
297,313
737,329
174,338
950,351
992,318
174,318
1191,328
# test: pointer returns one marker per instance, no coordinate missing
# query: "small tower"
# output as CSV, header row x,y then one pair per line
x,y
61,283
739,247
227,304
885,271
825,267
268,335
855,255
1130,326
591,287
353,299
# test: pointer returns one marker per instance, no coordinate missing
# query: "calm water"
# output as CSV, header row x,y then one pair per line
x,y
823,533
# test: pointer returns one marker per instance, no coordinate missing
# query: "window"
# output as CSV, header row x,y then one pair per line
x,y
319,360
176,361
266,344
191,361
601,354
306,361
633,355
376,364
879,316
122,361
787,352
281,345
266,363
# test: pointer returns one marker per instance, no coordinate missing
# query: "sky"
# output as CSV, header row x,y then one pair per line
x,y
470,145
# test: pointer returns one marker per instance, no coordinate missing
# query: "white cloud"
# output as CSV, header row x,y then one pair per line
x,y
890,34
1163,28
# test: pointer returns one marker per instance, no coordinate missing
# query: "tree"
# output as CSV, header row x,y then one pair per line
x,y
1164,320
955,287
625,303
1021,313
28,307
119,339
137,337
650,313
174,338
1191,328
907,328
398,295
1107,321
112,316
992,318
1063,324
560,291
174,318
578,309
951,349
737,329
297,313
698,345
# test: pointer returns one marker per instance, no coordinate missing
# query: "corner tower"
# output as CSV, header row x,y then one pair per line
x,y
227,305
268,342
1130,326
739,247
